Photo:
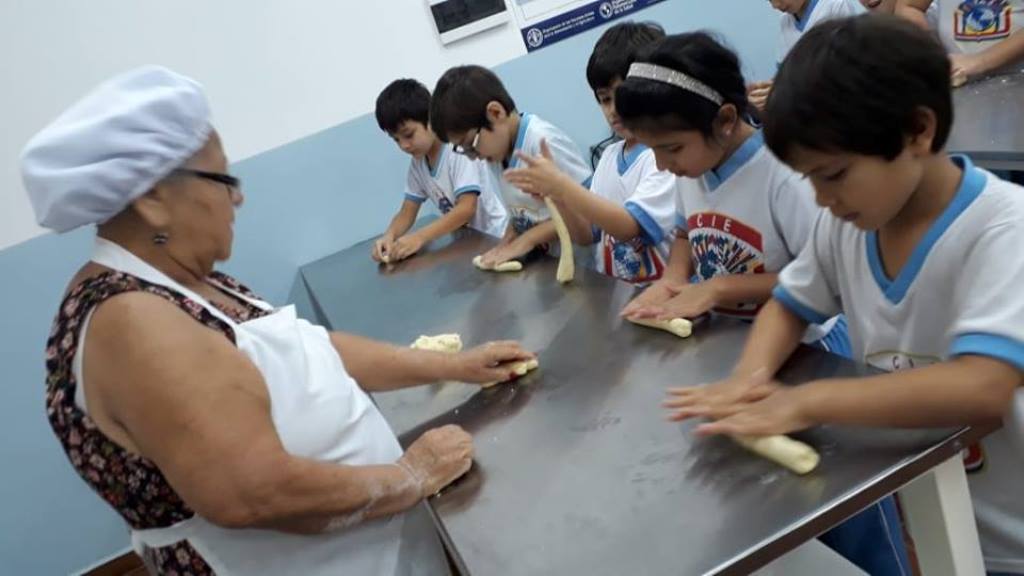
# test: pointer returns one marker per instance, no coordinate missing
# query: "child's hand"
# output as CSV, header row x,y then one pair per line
x,y
488,363
503,253
758,93
382,248
655,295
539,176
781,412
720,399
965,67
405,247
689,301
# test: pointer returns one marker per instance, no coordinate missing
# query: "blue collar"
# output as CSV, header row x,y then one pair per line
x,y
801,23
971,186
715,178
524,123
440,160
627,159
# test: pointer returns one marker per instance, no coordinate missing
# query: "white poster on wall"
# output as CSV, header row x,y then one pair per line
x,y
544,22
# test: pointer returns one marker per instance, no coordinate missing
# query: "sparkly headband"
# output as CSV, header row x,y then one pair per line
x,y
675,78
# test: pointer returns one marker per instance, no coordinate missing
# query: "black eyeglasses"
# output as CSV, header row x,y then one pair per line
x,y
233,183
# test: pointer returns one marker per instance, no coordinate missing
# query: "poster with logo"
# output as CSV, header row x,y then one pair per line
x,y
545,22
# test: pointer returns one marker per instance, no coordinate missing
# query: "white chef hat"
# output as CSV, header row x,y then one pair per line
x,y
113,145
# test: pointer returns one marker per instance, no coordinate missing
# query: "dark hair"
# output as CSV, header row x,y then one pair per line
x,y
616,50
461,97
651,105
402,100
857,85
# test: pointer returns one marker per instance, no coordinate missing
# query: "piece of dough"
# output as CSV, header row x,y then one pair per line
x,y
566,263
782,450
958,79
679,326
519,368
508,266
449,343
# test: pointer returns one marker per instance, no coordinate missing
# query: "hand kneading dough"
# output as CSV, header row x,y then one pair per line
x,y
450,343
782,450
519,368
679,326
509,266
566,262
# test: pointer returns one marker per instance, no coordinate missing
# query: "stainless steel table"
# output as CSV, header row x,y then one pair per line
x,y
577,472
989,122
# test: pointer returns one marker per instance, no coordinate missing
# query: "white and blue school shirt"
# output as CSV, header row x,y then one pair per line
x,y
524,210
750,216
960,292
454,176
791,28
977,25
620,175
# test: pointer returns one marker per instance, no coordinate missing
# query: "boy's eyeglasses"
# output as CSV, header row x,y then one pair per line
x,y
233,183
471,149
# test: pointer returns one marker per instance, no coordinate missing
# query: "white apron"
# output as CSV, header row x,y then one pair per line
x,y
319,412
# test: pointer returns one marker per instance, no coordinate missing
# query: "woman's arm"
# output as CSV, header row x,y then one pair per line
x,y
185,397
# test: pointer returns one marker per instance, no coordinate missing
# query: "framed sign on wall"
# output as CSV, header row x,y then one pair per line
x,y
457,19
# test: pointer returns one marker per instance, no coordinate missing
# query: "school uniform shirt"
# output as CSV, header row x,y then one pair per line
x,y
975,26
817,11
619,176
958,293
751,216
524,210
454,176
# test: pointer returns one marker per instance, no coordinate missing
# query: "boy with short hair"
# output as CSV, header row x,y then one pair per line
x,y
626,248
472,110
462,189
920,250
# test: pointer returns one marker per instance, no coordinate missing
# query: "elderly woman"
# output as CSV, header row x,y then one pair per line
x,y
232,437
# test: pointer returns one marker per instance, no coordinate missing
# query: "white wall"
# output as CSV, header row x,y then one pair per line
x,y
276,71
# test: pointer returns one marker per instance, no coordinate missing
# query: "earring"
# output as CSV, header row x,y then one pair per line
x,y
161,238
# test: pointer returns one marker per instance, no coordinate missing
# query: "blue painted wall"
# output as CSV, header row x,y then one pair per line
x,y
304,201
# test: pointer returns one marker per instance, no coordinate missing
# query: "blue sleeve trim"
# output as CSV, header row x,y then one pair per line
x,y
472,189
649,229
808,314
994,346
596,233
586,183
416,199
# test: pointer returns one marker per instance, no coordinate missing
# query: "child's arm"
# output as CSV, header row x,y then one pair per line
x,y
965,390
673,280
541,177
1001,54
515,246
457,217
914,10
400,224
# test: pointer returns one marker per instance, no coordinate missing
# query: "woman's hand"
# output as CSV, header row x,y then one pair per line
x,y
488,363
438,458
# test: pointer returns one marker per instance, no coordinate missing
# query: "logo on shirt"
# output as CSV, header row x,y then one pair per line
x,y
981,20
444,205
632,261
722,245
522,219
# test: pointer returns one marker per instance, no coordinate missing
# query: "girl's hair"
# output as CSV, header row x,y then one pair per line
x,y
657,106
